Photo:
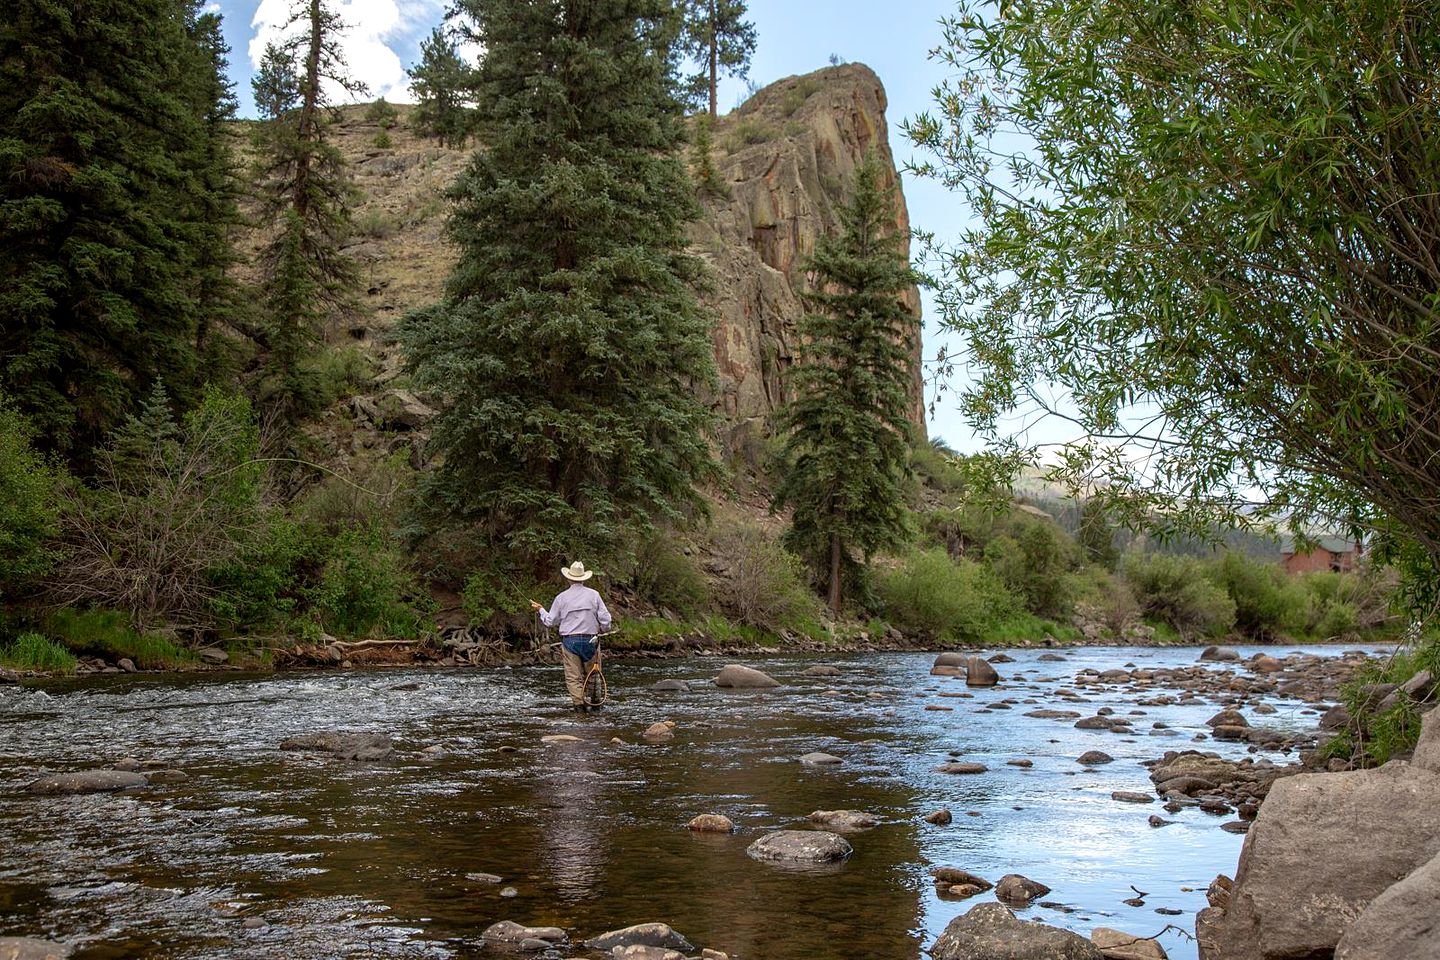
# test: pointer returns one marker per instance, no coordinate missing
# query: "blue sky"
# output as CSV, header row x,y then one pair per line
x,y
794,37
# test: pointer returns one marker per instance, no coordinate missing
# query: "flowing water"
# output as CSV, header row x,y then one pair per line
x,y
370,859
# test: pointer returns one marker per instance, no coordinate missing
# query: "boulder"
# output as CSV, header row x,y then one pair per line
x,y
711,823
1349,835
88,781
1403,923
1266,664
961,767
844,819
990,931
128,665
1419,686
643,952
1048,714
1094,723
1094,757
1427,751
950,660
950,876
508,931
214,655
818,759
1335,718
659,731
800,846
979,673
736,676
28,948
641,935
671,686
1001,658
1224,654
1228,718
941,818
1018,889
1117,945
1130,796
822,671
343,745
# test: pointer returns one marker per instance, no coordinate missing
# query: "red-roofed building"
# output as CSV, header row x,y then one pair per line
x,y
1328,553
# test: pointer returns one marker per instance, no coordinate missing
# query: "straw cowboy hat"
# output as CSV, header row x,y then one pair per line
x,y
576,572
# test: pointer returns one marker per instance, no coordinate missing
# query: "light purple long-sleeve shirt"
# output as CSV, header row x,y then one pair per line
x,y
577,611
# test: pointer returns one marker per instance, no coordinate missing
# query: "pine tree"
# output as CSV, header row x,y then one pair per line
x,y
570,351
305,191
97,211
846,450
439,82
716,35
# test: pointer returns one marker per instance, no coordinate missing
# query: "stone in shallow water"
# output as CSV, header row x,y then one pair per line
x,y
822,671
342,745
88,781
508,931
1118,945
1093,757
1019,889
820,760
800,846
844,819
28,948
674,686
655,935
1130,796
992,932
961,768
739,677
711,823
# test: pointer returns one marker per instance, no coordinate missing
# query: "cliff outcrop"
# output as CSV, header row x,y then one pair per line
x,y
782,162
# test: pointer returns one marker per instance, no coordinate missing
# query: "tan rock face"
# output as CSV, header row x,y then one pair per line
x,y
785,159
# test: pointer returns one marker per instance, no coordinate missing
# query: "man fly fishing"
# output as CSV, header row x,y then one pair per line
x,y
579,614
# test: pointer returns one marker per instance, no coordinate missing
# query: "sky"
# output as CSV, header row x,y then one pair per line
x,y
794,36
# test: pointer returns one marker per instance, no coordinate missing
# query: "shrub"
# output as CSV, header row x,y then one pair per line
x,y
383,113
366,588
1348,604
1175,591
930,594
1106,599
108,633
262,586
1267,602
491,592
662,574
29,510
762,584
375,223
1034,560
748,131
1373,739
936,469
32,651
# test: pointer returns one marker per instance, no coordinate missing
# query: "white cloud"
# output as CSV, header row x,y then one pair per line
x,y
374,29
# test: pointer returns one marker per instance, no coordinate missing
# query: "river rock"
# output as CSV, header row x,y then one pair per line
x,y
1335,718
1224,654
989,931
950,876
1094,757
1048,714
28,948
1116,945
1349,835
166,776
1021,762
214,655
1228,718
1419,686
88,781
659,731
508,931
818,759
1094,723
941,818
658,935
642,952
800,846
822,671
979,673
671,686
844,819
1427,750
1263,663
1018,889
961,767
711,823
343,745
560,738
1130,796
484,877
1403,923
128,665
737,676
950,659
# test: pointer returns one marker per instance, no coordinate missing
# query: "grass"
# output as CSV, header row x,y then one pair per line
x,y
1372,739
32,651
656,631
1015,630
107,633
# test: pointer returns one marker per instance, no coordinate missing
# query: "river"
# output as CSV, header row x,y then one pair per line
x,y
371,859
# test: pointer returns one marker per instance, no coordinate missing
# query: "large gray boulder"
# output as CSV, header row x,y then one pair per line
x,y
28,948
88,781
1350,836
1403,923
510,932
642,935
343,745
1427,751
979,673
801,846
737,677
990,931
1118,945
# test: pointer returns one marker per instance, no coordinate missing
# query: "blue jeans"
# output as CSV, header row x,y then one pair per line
x,y
583,645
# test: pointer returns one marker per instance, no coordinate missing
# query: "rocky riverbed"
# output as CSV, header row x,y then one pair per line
x,y
860,804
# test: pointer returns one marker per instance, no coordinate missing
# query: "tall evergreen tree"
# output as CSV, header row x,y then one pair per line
x,y
716,35
305,191
846,449
440,81
97,211
569,351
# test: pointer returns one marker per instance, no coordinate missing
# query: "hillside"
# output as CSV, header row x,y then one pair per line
x,y
782,160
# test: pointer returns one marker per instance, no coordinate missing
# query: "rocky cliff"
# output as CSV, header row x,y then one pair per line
x,y
782,161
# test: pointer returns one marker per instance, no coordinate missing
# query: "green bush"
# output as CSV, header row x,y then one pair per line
x,y
32,651
661,573
1034,560
762,584
950,600
1373,739
29,509
1105,598
383,113
1267,602
748,131
366,588
262,587
936,469
1349,604
491,592
1175,590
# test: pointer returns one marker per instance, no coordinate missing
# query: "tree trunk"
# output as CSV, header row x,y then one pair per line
x,y
835,575
714,57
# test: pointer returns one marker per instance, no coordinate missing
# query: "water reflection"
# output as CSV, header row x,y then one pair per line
x,y
372,859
